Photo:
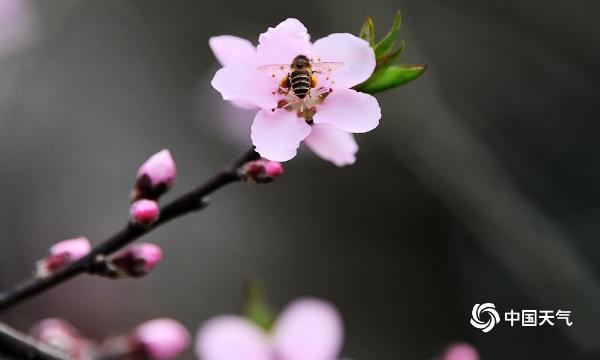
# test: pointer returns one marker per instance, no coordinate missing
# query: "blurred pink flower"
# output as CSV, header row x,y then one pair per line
x,y
62,254
16,25
308,329
62,335
460,351
155,176
138,259
144,212
325,118
161,339
76,248
262,171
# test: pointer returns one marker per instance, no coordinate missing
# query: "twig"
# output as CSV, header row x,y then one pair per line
x,y
15,345
192,201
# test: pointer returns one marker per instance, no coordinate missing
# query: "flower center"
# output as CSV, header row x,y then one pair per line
x,y
306,107
293,92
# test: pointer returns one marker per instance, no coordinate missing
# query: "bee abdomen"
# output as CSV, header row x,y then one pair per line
x,y
300,82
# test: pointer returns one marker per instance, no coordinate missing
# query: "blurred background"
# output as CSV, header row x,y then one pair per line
x,y
481,183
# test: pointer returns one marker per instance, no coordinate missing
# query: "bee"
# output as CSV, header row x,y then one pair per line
x,y
300,74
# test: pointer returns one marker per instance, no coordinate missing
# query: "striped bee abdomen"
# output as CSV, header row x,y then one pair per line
x,y
300,82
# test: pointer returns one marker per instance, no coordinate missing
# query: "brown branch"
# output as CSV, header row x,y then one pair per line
x,y
192,201
15,345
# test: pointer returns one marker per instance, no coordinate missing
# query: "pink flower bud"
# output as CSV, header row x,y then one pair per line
x,y
62,335
161,339
460,351
138,259
64,253
155,176
262,171
144,212
274,169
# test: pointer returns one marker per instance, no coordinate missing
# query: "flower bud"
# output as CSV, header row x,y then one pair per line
x,y
63,336
155,176
144,212
62,254
460,351
160,339
273,169
261,171
137,260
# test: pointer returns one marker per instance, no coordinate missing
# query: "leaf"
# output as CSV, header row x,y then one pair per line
x,y
255,307
386,44
261,316
367,31
391,58
391,76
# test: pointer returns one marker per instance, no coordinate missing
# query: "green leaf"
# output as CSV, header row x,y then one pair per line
x,y
255,307
391,76
367,31
392,57
386,44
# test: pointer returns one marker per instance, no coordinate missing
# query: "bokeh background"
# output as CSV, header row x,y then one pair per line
x,y
481,184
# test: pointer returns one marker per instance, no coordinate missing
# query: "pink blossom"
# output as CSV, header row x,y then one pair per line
x,y
17,18
62,335
161,339
273,169
64,253
138,259
460,351
262,171
326,118
156,175
144,212
308,329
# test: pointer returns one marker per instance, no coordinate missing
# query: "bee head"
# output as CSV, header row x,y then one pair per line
x,y
300,62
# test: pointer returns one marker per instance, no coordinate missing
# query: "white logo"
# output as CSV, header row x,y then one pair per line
x,y
482,310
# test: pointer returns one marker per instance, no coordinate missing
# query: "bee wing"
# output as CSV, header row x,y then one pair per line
x,y
327,67
273,69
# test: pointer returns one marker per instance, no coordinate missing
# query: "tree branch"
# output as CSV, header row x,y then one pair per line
x,y
15,345
192,201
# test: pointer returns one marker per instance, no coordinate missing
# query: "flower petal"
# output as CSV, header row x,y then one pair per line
x,y
281,44
460,351
354,52
231,337
332,144
349,110
244,84
277,135
230,50
308,329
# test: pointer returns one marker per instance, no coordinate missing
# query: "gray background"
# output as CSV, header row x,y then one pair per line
x,y
480,185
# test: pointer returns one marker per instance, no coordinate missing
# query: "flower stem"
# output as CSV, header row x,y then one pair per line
x,y
194,200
